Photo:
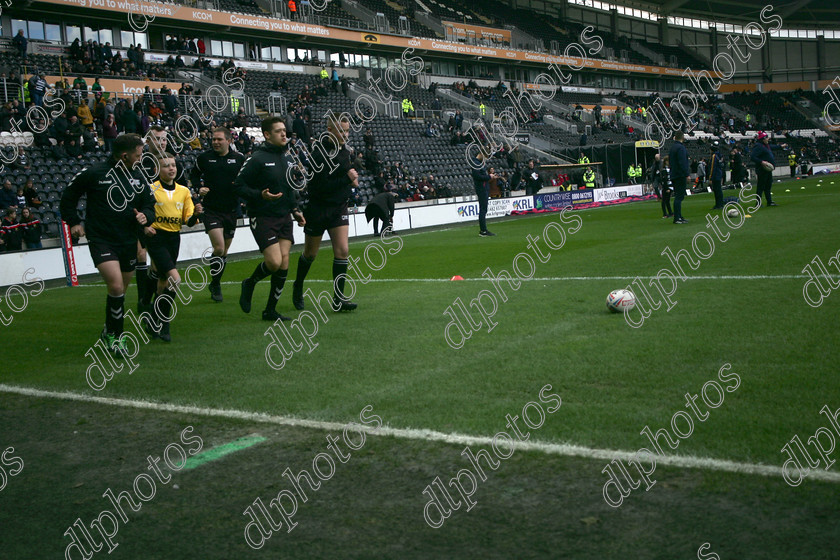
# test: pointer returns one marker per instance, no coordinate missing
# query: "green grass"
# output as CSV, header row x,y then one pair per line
x,y
391,354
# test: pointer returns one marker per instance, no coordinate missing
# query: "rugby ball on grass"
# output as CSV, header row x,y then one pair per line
x,y
619,300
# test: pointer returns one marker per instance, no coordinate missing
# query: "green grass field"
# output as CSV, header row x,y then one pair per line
x,y
743,306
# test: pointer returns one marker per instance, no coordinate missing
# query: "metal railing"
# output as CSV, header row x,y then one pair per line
x,y
277,103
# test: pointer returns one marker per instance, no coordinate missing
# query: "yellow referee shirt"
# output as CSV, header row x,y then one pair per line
x,y
172,207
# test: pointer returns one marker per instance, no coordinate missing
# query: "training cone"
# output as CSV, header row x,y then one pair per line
x,y
747,216
456,277
803,188
787,190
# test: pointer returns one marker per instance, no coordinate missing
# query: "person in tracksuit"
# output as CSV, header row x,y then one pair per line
x,y
762,157
680,170
716,175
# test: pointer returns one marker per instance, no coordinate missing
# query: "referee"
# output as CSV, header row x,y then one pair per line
x,y
327,211
111,225
272,203
213,177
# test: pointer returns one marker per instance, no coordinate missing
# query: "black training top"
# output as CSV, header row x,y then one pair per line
x,y
112,196
219,174
267,169
328,188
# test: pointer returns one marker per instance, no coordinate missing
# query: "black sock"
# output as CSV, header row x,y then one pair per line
x,y
142,282
114,314
260,272
303,269
219,263
278,280
339,275
151,287
163,305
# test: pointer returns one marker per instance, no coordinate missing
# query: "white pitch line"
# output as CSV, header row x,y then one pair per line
x,y
427,435
547,279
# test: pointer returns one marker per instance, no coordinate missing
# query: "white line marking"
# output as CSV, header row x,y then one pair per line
x,y
427,435
549,279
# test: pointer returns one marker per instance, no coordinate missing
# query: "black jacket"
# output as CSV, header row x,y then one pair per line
x,y
330,188
267,169
380,206
112,198
218,173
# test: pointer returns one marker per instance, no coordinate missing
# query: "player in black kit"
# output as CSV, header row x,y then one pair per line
x,y
213,177
327,211
272,202
118,204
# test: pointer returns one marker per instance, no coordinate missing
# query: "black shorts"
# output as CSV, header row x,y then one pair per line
x,y
163,247
322,218
268,230
126,254
225,220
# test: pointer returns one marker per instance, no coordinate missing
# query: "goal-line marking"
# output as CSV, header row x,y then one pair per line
x,y
427,435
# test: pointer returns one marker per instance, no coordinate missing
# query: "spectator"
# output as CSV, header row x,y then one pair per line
x,y
370,140
31,195
131,121
80,81
8,198
292,10
19,42
38,88
145,123
11,232
22,160
31,229
109,132
85,117
21,200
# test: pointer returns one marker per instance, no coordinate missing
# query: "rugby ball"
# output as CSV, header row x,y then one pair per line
x,y
733,212
619,300
767,165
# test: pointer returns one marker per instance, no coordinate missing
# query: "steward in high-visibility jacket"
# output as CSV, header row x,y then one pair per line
x,y
628,111
583,159
407,106
234,104
589,178
792,164
638,171
483,109
324,74
631,174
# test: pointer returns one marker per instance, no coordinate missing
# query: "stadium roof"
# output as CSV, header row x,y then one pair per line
x,y
799,14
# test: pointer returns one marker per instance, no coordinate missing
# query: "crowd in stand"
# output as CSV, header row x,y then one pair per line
x,y
91,57
19,228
